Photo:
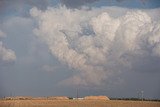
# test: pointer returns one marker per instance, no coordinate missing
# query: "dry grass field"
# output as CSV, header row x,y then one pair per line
x,y
77,103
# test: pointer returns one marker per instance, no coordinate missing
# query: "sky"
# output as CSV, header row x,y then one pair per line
x,y
95,47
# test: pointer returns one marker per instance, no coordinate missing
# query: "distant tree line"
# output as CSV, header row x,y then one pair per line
x,y
135,99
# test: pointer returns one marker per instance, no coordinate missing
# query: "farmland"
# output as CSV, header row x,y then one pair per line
x,y
77,103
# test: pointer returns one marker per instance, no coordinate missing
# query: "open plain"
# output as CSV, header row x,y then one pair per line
x,y
77,103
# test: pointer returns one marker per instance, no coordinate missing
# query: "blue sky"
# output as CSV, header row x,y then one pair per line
x,y
102,53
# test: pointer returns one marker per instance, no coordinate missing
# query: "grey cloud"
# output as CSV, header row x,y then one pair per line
x,y
79,3
119,0
18,6
76,3
20,3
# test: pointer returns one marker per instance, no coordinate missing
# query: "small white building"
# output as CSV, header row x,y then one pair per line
x,y
78,98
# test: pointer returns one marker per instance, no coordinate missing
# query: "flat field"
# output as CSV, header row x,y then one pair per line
x,y
77,103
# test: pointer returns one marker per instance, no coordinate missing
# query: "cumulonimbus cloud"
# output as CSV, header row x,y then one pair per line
x,y
98,45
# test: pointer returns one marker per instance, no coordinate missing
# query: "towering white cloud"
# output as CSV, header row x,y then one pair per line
x,y
96,44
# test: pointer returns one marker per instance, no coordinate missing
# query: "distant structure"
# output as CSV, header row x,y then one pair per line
x,y
77,93
96,98
141,95
142,92
78,98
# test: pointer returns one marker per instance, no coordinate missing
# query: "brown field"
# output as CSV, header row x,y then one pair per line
x,y
77,103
